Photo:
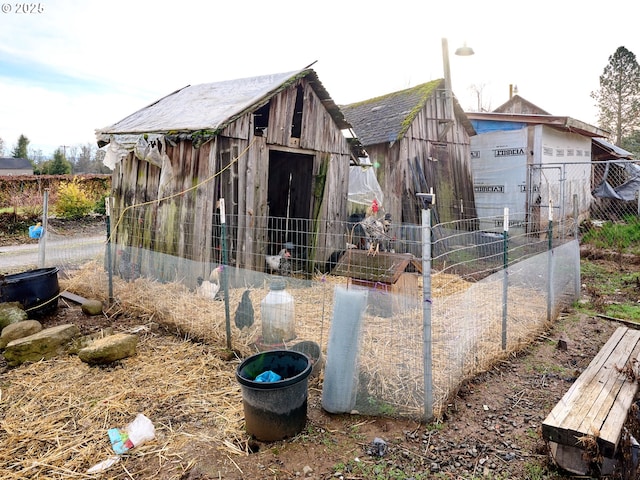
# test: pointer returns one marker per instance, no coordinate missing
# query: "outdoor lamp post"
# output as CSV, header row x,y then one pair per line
x,y
463,51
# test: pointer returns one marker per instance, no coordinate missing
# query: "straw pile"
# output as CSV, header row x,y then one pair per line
x,y
55,413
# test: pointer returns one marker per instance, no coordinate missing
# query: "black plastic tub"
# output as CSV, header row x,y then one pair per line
x,y
275,410
37,290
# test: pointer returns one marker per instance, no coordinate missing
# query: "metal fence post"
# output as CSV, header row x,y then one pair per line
x,y
42,244
426,313
550,263
505,274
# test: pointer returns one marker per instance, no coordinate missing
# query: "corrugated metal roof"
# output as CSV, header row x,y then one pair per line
x,y
609,151
10,163
212,106
388,117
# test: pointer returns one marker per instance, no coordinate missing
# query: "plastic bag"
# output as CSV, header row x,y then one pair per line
x,y
268,376
133,435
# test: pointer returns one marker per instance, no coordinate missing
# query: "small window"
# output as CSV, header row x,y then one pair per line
x,y
261,120
296,126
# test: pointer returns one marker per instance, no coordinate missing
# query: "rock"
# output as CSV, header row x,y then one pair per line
x,y
19,330
109,349
81,342
92,307
42,345
307,470
11,312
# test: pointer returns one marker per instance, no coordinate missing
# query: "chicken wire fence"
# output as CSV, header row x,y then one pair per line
x,y
398,331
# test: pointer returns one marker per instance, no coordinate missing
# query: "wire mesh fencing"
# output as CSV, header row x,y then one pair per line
x,y
427,322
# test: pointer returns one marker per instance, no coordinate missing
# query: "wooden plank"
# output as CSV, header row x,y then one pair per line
x,y
73,297
598,402
598,395
552,427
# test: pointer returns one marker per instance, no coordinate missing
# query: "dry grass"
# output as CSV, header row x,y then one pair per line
x,y
55,414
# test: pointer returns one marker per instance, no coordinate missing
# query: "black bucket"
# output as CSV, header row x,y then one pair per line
x,y
37,290
275,410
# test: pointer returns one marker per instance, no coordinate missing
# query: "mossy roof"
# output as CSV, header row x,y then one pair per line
x,y
388,117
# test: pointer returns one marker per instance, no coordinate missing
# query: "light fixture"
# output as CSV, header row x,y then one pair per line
x,y
465,51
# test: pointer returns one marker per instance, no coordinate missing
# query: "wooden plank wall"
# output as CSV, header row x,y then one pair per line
x,y
449,173
182,225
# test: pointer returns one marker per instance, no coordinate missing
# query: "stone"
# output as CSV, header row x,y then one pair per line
x,y
11,312
19,330
86,340
109,349
91,307
43,345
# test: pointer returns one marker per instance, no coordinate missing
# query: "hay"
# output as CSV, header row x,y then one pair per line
x,y
55,413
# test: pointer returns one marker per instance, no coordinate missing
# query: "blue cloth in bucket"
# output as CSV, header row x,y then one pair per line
x,y
268,376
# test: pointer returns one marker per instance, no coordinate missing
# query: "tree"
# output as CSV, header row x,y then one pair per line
x,y
618,99
1,147
632,143
21,149
59,165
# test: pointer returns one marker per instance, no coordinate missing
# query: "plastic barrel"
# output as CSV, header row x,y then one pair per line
x,y
275,410
37,290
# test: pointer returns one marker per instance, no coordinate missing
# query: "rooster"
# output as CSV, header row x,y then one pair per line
x,y
210,288
279,263
377,231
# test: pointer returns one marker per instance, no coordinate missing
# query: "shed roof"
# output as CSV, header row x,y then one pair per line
x,y
212,106
383,267
566,124
517,104
388,117
603,150
10,163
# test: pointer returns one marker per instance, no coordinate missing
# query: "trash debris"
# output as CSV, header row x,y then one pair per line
x,y
268,376
378,447
35,231
133,435
103,465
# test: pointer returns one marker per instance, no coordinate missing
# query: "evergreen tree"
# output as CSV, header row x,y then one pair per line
x,y
22,148
59,165
1,147
618,99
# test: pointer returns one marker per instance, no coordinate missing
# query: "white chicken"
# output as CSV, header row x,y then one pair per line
x,y
279,263
210,288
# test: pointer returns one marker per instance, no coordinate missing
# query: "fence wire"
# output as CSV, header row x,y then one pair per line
x,y
489,296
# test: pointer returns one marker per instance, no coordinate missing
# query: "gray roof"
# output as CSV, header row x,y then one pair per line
x,y
387,118
212,106
10,163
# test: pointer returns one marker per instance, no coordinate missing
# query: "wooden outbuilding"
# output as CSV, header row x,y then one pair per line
x,y
419,139
271,146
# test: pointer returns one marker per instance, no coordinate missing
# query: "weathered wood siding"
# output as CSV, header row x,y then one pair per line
x,y
443,158
185,223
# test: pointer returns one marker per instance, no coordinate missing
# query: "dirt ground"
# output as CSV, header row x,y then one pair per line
x,y
492,428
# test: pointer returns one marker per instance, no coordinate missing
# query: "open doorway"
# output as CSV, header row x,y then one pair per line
x,y
289,198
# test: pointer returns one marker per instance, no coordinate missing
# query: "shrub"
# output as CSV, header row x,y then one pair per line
x,y
73,201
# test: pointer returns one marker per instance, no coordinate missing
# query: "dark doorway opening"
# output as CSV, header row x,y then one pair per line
x,y
289,198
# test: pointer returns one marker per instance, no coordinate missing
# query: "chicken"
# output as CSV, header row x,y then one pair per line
x,y
279,263
244,312
376,231
209,288
128,270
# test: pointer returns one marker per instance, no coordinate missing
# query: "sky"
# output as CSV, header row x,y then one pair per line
x,y
70,67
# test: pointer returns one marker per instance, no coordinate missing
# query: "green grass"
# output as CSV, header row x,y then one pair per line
x,y
622,236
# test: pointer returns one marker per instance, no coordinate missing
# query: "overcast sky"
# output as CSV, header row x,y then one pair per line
x,y
76,66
